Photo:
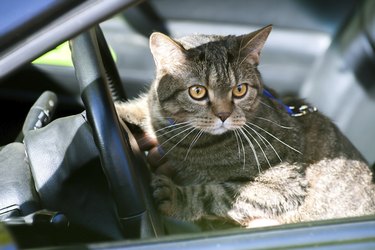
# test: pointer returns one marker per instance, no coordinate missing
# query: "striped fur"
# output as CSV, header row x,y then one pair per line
x,y
260,163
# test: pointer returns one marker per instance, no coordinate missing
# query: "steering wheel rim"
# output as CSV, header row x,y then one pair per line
x,y
125,172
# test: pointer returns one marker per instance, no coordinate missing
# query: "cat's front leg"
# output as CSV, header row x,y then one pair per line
x,y
194,202
167,195
272,196
134,111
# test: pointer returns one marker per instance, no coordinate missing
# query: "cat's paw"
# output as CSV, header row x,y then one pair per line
x,y
165,194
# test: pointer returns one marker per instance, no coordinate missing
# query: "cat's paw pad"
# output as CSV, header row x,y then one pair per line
x,y
165,194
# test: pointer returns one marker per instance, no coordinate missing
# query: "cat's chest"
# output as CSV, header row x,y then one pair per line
x,y
219,158
211,163
191,173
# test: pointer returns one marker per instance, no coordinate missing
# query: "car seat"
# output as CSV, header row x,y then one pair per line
x,y
342,85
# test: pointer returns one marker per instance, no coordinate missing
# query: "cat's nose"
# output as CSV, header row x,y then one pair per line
x,y
223,115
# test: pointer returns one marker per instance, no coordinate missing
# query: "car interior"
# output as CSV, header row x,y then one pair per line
x,y
72,182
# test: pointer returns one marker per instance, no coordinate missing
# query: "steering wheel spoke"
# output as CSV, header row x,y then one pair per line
x,y
123,171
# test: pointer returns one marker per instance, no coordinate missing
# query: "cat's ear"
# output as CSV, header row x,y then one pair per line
x,y
167,53
252,44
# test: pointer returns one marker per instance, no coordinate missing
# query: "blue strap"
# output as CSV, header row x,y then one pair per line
x,y
268,94
171,121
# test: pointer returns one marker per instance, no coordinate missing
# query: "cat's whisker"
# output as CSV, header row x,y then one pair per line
x,y
171,126
196,138
243,60
238,144
174,126
252,148
259,135
183,138
243,147
275,123
256,141
181,132
174,129
275,137
262,138
265,104
239,51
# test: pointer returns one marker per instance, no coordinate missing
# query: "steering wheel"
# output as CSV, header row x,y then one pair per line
x,y
126,171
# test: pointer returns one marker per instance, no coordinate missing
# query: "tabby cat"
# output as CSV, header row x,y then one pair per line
x,y
239,154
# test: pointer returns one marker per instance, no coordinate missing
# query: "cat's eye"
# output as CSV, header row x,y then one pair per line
x,y
239,90
197,92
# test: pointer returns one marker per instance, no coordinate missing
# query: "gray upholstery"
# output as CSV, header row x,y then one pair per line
x,y
343,83
18,196
68,176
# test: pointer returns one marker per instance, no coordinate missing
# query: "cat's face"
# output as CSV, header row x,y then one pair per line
x,y
209,82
